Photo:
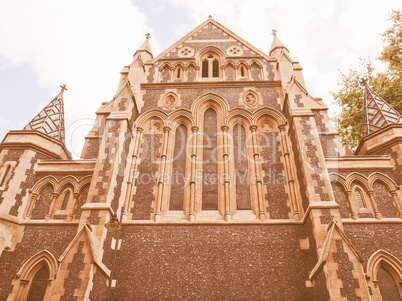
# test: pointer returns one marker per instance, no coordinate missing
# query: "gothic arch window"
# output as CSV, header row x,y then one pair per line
x,y
178,178
38,286
243,72
387,285
210,167
243,200
384,276
210,65
35,278
178,73
361,201
65,199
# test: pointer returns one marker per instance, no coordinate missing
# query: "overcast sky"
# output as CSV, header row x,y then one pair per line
x,y
86,43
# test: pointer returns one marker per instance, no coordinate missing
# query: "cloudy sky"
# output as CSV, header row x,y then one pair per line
x,y
85,44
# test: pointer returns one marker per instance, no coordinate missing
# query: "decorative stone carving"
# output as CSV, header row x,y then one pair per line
x,y
234,51
169,101
250,99
185,52
266,126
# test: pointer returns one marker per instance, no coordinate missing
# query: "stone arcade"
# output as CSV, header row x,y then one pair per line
x,y
225,177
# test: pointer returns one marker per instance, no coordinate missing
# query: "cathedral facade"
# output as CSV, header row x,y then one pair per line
x,y
212,174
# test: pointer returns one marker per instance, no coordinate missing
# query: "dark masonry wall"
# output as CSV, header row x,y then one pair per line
x,y
214,262
55,239
368,238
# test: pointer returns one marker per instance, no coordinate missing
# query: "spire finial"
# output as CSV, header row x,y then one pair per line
x,y
274,32
363,81
209,17
148,36
63,87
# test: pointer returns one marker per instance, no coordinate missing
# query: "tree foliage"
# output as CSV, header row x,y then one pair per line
x,y
387,84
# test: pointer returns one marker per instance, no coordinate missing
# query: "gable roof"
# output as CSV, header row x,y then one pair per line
x,y
222,28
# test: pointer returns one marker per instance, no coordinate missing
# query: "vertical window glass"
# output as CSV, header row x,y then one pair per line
x,y
243,200
387,285
215,69
65,200
205,68
359,199
38,286
210,166
178,179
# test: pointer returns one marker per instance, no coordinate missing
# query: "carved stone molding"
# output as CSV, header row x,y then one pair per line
x,y
234,51
185,52
170,100
250,98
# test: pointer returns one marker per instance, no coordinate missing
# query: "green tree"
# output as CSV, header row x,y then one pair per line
x,y
387,84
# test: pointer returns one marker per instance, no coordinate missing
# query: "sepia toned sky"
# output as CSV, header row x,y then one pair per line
x,y
85,44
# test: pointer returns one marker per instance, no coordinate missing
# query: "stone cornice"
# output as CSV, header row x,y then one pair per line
x,y
356,163
36,141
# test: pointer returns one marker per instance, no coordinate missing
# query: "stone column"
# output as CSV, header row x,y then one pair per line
x,y
50,213
378,215
397,202
352,207
193,181
289,173
132,172
161,181
75,199
34,197
257,174
226,177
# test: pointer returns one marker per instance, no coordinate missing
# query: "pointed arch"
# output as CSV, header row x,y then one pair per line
x,y
257,63
43,256
277,116
180,116
83,182
143,119
386,180
207,49
243,114
387,261
165,65
336,178
66,181
48,180
229,62
359,178
188,65
210,100
24,277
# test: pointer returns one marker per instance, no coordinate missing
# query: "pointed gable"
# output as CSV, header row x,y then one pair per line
x,y
214,34
50,120
377,112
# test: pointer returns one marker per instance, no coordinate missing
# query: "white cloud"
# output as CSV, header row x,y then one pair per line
x,y
84,44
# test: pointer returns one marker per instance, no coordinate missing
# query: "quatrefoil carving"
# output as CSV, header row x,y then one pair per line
x,y
186,52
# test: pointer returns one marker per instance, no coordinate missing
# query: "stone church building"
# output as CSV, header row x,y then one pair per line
x,y
212,174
